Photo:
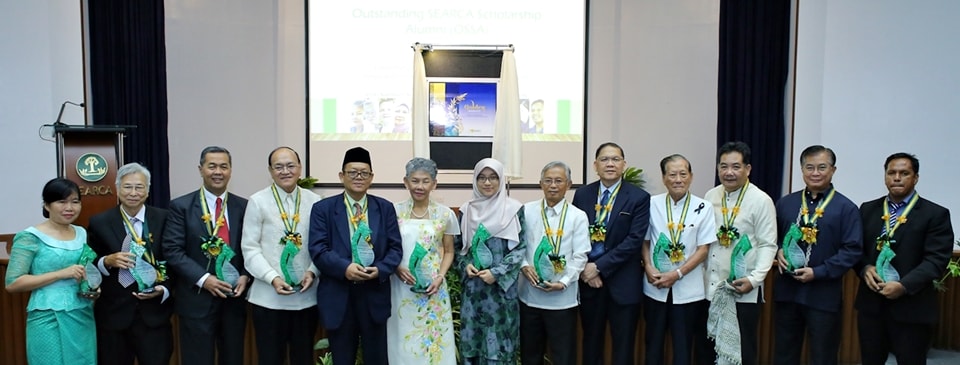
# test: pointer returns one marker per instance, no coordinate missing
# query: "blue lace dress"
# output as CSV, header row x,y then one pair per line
x,y
60,325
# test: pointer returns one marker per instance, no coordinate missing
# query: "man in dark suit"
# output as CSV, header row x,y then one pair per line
x,y
201,226
353,294
612,281
896,311
808,298
133,322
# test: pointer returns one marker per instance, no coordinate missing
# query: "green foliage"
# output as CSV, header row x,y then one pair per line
x,y
455,291
307,182
634,176
953,270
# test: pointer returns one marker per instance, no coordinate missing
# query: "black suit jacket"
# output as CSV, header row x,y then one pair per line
x,y
621,267
923,246
116,308
331,253
182,237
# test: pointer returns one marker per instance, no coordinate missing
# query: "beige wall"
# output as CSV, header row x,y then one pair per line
x,y
236,78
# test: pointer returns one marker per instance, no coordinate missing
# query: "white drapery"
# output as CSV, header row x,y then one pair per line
x,y
507,141
420,111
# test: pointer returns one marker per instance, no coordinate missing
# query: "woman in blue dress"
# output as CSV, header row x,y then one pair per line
x,y
44,260
490,256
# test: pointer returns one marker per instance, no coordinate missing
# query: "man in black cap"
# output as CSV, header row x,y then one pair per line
x,y
355,242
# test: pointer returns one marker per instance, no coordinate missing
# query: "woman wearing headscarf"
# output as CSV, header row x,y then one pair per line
x,y
489,259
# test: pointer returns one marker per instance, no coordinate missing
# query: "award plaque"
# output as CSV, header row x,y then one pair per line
x,y
360,244
794,256
145,275
885,268
661,254
738,261
293,271
92,277
225,270
482,256
542,263
420,269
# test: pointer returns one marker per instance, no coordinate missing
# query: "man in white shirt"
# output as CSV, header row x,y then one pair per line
x,y
283,296
745,216
557,246
681,229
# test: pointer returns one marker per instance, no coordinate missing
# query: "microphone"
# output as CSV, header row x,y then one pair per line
x,y
60,115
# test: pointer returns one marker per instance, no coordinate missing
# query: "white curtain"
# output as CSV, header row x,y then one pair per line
x,y
506,135
421,106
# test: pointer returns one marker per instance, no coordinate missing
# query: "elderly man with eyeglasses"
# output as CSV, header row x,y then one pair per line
x,y
355,242
282,296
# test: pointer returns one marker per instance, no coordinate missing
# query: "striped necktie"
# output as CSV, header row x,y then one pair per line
x,y
125,277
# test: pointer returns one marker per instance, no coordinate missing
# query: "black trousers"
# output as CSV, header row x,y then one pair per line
x,y
540,326
358,326
596,309
879,337
149,345
748,318
283,333
792,321
680,319
218,334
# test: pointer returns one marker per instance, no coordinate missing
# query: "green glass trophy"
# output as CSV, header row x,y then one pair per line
x,y
738,261
482,256
90,284
885,268
794,256
420,269
543,262
225,270
293,271
361,246
661,254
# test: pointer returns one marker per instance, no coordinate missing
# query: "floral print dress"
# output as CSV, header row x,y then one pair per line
x,y
490,314
420,329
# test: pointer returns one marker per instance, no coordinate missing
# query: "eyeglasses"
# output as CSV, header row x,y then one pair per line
x,y
608,159
488,179
820,168
131,188
549,182
363,175
288,167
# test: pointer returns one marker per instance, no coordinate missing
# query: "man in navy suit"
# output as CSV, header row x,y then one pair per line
x,y
131,324
213,313
897,313
612,281
353,293
808,298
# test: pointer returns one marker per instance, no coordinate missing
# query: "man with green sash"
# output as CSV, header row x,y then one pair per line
x,y
559,242
133,312
909,240
355,242
738,264
282,296
821,238
681,231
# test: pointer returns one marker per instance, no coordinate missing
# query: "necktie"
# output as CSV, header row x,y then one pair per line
x,y
894,213
223,232
603,205
125,277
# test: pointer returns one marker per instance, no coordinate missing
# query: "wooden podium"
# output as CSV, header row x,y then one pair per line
x,y
90,157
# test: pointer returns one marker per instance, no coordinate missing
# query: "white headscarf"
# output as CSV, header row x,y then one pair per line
x,y
498,213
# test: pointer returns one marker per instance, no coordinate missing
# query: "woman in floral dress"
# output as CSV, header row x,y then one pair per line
x,y
489,259
421,327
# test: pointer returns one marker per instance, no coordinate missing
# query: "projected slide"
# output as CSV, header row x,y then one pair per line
x,y
360,71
